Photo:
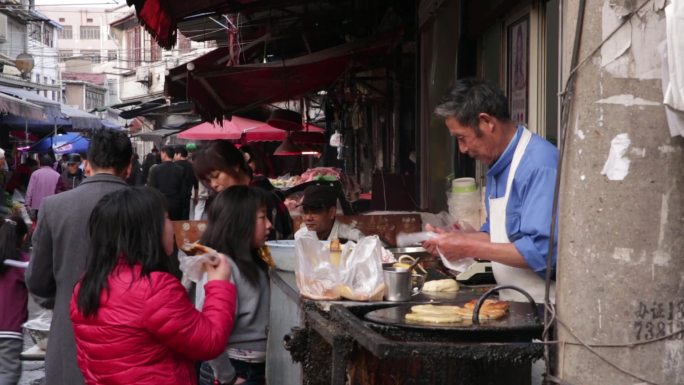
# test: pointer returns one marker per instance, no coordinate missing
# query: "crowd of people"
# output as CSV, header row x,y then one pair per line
x,y
119,311
104,260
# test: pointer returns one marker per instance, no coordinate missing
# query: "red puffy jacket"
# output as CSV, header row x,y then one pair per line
x,y
146,331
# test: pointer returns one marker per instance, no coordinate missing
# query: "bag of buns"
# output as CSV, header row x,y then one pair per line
x,y
316,275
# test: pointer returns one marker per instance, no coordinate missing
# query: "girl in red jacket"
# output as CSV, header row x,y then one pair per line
x,y
133,321
13,298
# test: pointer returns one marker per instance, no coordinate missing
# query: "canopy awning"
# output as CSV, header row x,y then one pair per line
x,y
151,136
50,107
17,107
219,90
81,120
57,114
247,130
160,17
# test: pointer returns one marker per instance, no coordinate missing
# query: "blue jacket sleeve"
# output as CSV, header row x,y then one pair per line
x,y
535,194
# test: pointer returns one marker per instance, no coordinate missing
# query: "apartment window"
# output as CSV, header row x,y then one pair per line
x,y
62,20
67,32
133,47
111,87
112,55
48,35
93,55
183,43
152,50
90,32
54,94
89,20
94,100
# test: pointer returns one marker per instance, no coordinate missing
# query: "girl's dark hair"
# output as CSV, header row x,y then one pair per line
x,y
12,232
230,228
219,155
126,225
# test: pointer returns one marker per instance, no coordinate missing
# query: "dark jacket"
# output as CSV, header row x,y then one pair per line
x,y
71,181
167,177
60,248
136,177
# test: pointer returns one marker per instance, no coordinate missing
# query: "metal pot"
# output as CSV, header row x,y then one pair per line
x,y
427,261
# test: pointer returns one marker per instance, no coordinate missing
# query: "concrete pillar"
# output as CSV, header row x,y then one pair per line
x,y
621,246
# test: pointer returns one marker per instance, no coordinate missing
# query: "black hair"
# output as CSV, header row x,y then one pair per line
x,y
45,160
169,151
182,151
116,234
30,162
469,97
12,232
219,155
230,228
110,149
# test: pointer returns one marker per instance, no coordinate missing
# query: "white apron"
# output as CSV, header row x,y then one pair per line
x,y
525,279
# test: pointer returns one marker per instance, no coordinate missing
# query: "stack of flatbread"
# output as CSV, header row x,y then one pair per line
x,y
490,309
439,314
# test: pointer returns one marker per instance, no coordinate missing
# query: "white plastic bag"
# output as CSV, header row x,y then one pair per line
x,y
361,271
358,276
316,276
408,239
42,321
192,266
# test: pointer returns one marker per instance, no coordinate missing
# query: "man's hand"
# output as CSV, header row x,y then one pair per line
x,y
453,245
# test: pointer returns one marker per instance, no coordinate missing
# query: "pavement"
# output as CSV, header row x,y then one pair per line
x,y
33,372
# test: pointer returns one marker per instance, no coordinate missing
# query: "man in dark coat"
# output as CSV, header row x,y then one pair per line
x,y
167,177
181,159
61,243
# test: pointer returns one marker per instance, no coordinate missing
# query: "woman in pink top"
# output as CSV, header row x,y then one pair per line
x,y
13,298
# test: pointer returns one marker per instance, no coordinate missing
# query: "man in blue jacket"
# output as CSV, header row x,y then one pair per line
x,y
519,191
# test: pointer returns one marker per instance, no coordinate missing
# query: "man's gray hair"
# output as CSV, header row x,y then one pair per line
x,y
470,97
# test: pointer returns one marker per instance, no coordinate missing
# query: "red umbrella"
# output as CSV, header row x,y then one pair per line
x,y
230,130
268,133
248,130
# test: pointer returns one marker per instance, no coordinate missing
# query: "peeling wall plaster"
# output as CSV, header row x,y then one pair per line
x,y
641,34
628,101
617,164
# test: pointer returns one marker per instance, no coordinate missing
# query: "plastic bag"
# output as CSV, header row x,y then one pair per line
x,y
315,274
42,321
192,266
408,239
355,275
361,272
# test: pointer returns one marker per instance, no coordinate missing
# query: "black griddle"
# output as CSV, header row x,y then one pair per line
x,y
521,322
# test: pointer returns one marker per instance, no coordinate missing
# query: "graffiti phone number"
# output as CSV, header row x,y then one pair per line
x,y
659,319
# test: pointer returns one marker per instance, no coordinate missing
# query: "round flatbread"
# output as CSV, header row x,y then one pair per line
x,y
434,309
441,285
433,318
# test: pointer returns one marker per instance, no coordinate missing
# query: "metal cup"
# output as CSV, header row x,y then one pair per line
x,y
398,284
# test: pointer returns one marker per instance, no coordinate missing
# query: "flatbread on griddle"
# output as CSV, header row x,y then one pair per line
x,y
433,318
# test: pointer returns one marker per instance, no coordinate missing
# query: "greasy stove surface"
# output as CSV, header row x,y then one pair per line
x,y
518,318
